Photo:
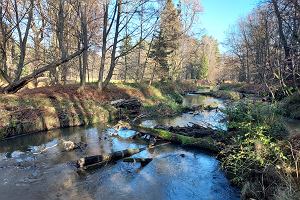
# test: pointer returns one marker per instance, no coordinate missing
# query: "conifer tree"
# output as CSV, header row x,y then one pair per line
x,y
166,45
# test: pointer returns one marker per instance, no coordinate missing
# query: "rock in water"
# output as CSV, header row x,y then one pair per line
x,y
69,145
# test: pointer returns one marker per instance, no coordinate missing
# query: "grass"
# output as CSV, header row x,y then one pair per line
x,y
161,99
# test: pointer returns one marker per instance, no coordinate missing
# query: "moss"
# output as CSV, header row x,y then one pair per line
x,y
33,115
206,143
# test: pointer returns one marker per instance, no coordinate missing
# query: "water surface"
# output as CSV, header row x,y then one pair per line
x,y
213,118
174,173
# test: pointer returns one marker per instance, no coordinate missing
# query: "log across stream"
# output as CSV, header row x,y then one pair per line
x,y
173,172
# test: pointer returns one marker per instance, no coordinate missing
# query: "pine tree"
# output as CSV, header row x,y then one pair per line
x,y
166,44
160,54
124,48
203,69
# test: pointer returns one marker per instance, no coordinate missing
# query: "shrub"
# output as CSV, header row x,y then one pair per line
x,y
256,149
290,106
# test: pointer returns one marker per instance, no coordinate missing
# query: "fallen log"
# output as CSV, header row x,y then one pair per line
x,y
127,103
99,160
127,107
197,108
19,84
143,161
205,143
195,130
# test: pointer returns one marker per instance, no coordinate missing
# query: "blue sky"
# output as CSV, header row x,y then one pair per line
x,y
218,15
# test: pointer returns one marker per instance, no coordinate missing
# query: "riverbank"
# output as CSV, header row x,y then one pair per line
x,y
262,156
259,154
48,108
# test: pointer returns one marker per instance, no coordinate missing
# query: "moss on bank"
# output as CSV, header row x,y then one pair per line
x,y
63,106
247,88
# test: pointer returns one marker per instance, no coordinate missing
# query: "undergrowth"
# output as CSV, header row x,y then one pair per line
x,y
258,158
291,106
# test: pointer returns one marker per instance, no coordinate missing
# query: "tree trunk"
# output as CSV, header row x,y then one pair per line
x,y
60,36
23,39
85,44
140,45
17,85
205,143
104,42
80,59
99,160
113,54
280,29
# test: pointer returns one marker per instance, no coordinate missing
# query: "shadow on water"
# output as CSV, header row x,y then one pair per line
x,y
174,173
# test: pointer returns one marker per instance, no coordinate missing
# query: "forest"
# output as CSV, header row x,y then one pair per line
x,y
114,99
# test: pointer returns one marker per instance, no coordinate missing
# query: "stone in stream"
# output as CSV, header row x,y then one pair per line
x,y
70,145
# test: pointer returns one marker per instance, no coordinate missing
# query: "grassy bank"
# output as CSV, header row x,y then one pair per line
x,y
161,99
261,157
48,108
247,88
225,94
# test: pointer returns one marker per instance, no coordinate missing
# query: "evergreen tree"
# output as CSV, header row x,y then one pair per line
x,y
203,69
166,44
160,54
124,48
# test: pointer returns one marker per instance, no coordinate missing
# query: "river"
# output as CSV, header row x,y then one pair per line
x,y
174,173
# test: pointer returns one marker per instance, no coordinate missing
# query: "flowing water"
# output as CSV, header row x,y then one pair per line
x,y
34,166
213,118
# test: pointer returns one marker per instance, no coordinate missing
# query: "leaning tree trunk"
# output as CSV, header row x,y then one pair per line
x,y
17,85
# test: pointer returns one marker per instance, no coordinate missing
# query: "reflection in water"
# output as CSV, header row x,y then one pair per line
x,y
213,118
192,99
174,173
